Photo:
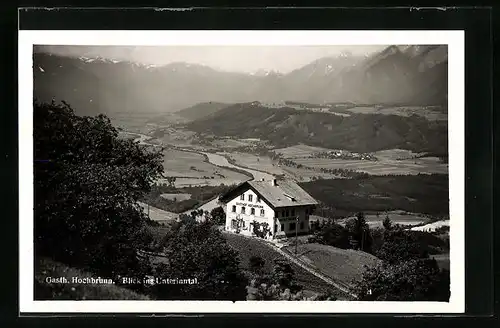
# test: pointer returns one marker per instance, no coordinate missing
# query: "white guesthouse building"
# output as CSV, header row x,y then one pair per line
x,y
282,204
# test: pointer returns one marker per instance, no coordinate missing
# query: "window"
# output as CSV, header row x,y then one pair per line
x,y
293,212
307,211
258,199
282,227
250,198
275,227
286,213
261,212
302,225
243,210
292,226
252,211
234,208
242,197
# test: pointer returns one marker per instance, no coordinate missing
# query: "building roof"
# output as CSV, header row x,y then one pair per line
x,y
284,193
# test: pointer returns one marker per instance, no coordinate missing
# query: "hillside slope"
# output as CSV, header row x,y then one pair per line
x,y
358,132
201,110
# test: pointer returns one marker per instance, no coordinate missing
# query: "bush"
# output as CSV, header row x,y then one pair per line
x,y
218,216
401,245
412,280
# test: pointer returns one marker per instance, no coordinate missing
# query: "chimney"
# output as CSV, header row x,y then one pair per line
x,y
263,179
274,182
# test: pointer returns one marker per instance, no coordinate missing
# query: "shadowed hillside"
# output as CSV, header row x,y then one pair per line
x,y
358,132
201,110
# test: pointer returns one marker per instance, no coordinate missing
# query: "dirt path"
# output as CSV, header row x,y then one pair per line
x,y
300,264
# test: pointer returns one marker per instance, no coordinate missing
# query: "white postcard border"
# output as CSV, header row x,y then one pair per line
x,y
456,145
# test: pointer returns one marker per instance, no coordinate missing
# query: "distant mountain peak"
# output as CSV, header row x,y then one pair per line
x,y
266,72
98,59
345,54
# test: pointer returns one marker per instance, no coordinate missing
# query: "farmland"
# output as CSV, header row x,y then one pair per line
x,y
342,265
429,112
260,163
191,168
392,161
396,217
299,151
376,168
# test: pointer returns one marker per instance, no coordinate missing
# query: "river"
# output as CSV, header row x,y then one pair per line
x,y
215,159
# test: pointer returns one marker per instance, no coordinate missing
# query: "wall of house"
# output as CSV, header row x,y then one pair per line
x,y
249,202
287,217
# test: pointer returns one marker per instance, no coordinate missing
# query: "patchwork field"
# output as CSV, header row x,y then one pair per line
x,y
304,175
394,154
342,265
176,137
429,112
299,151
261,163
133,122
414,166
192,169
397,217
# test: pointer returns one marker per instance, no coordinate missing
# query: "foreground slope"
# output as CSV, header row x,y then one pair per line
x,y
74,291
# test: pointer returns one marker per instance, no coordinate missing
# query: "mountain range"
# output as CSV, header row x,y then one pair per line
x,y
409,75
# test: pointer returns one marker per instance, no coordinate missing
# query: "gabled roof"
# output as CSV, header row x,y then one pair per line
x,y
285,193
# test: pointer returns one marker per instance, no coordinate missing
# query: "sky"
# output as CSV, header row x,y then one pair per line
x,y
227,58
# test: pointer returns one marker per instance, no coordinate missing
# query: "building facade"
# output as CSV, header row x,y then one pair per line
x,y
269,209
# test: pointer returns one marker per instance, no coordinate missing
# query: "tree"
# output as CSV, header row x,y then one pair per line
x,y
87,184
218,215
413,280
360,232
198,250
260,230
171,181
332,234
387,223
400,245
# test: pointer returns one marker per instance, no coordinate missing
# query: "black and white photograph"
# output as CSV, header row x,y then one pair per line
x,y
242,169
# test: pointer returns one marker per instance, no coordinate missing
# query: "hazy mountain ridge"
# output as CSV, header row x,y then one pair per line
x,y
411,74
